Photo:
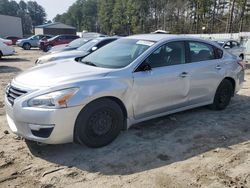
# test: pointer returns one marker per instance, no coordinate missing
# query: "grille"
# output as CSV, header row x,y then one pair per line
x,y
13,93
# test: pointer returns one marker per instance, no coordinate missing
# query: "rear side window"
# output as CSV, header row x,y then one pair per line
x,y
71,37
201,52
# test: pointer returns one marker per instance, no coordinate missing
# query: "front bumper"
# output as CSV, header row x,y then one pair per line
x,y
240,79
50,126
20,44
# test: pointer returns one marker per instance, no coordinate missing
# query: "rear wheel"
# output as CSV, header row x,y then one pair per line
x,y
223,95
99,123
26,46
1,54
242,56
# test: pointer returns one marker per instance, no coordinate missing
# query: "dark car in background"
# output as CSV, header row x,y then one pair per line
x,y
68,47
57,40
44,39
80,52
30,42
13,39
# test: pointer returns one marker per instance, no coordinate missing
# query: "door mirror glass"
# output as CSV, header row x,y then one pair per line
x,y
144,67
94,49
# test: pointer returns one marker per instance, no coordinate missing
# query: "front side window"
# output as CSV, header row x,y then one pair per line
x,y
201,52
172,53
234,44
227,45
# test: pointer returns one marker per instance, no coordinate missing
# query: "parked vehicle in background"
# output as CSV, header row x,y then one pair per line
x,y
44,39
6,41
82,51
57,40
13,39
128,81
6,50
233,47
68,47
92,35
31,42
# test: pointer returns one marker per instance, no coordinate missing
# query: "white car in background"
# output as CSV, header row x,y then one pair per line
x,y
6,41
233,47
6,50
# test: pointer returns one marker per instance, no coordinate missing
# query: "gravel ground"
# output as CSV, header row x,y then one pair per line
x,y
196,148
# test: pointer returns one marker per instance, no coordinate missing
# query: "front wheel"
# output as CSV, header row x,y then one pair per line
x,y
26,46
223,95
99,123
47,48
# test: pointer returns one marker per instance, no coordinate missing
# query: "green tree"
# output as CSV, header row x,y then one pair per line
x,y
105,15
36,12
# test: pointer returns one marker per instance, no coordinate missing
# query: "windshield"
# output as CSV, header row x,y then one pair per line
x,y
53,38
86,47
77,43
118,54
221,43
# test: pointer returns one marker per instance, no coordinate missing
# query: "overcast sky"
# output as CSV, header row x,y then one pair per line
x,y
54,7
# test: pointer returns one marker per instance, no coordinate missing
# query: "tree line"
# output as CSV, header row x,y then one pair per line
x,y
143,16
31,13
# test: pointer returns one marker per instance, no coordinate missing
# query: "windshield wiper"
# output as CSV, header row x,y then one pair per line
x,y
89,63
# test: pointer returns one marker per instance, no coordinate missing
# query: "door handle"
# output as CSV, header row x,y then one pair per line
x,y
184,75
218,67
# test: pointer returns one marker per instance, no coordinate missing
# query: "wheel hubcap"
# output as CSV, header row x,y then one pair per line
x,y
101,122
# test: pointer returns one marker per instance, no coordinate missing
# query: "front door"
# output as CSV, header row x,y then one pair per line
x,y
166,86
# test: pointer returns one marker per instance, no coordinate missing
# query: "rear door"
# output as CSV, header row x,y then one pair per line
x,y
166,86
205,68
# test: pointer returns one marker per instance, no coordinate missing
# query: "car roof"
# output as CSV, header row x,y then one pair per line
x,y
160,37
104,38
226,40
153,37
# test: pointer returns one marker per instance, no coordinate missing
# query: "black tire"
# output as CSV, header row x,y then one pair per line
x,y
47,48
242,56
223,95
26,46
1,54
99,123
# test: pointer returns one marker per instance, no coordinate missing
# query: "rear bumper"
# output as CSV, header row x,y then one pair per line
x,y
239,81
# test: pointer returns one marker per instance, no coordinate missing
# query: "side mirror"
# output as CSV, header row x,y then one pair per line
x,y
144,67
94,49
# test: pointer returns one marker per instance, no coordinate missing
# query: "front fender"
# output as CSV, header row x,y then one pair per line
x,y
109,87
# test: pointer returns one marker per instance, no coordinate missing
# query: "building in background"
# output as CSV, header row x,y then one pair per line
x,y
10,26
54,29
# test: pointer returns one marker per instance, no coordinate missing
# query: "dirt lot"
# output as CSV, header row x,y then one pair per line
x,y
196,148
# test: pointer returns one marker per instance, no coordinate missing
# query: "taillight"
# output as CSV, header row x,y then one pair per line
x,y
242,64
8,43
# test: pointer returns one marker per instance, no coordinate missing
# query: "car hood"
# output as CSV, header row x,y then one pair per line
x,y
64,71
61,55
57,48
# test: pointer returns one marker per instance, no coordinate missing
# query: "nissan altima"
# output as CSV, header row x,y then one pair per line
x,y
130,80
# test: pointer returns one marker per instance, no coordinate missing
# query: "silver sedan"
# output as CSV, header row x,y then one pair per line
x,y
133,79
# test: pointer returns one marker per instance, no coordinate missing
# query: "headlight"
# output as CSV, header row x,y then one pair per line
x,y
57,99
56,58
46,60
